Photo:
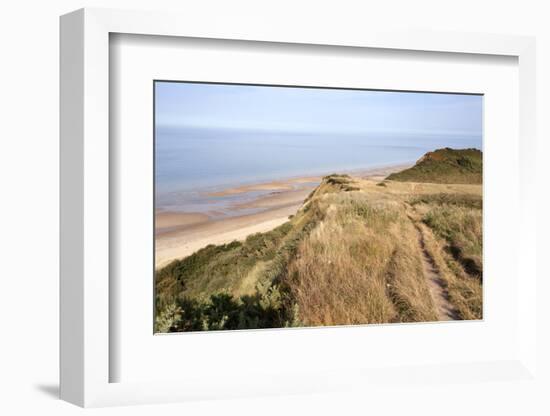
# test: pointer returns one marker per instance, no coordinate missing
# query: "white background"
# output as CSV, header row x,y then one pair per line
x,y
29,208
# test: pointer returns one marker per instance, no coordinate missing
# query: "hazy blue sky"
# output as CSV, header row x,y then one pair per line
x,y
316,110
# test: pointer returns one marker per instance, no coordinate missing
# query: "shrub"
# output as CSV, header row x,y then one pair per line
x,y
223,311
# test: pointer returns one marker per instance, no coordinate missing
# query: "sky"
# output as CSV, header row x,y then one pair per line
x,y
312,110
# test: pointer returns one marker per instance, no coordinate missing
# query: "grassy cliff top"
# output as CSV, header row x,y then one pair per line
x,y
463,166
354,253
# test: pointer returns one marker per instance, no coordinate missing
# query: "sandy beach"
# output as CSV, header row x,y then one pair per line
x,y
180,234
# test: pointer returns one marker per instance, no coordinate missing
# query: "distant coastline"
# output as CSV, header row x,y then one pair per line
x,y
188,160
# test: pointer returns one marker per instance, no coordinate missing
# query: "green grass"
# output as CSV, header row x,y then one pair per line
x,y
214,269
461,228
445,166
457,219
454,199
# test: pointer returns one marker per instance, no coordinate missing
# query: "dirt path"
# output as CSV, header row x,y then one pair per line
x,y
444,308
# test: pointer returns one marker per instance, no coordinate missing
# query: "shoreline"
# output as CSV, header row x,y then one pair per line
x,y
180,234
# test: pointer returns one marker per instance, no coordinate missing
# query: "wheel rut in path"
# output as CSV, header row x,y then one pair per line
x,y
444,308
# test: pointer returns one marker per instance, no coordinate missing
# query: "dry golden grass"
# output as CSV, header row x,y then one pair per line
x,y
409,287
360,265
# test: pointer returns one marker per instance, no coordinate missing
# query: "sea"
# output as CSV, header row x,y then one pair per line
x,y
190,163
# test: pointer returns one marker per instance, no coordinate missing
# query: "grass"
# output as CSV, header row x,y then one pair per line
x,y
353,268
450,199
465,293
350,255
453,231
445,166
461,228
217,268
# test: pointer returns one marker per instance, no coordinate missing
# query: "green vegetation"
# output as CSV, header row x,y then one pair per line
x,y
239,282
445,166
223,311
461,228
354,253
443,199
456,245
465,292
216,268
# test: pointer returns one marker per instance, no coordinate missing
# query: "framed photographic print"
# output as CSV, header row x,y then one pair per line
x,y
248,213
252,230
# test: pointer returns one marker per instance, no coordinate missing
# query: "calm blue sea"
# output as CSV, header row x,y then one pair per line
x,y
189,162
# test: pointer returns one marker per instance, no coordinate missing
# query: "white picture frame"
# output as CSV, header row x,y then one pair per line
x,y
85,213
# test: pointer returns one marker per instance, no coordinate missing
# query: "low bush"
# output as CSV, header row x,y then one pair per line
x,y
223,311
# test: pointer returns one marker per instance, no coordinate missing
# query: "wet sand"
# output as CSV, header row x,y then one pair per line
x,y
171,221
180,234
283,185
